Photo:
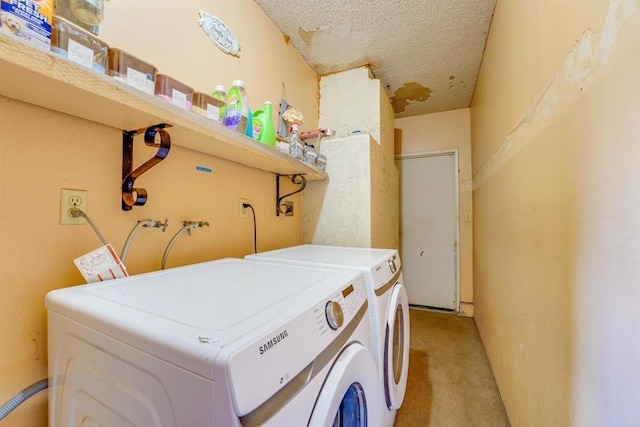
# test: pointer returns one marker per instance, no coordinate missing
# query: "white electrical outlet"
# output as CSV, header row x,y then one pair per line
x,y
288,208
69,199
243,210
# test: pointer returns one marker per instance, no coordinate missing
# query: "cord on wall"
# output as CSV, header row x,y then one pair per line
x,y
75,212
255,230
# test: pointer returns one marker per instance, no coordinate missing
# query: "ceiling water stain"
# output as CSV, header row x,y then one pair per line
x,y
306,35
409,92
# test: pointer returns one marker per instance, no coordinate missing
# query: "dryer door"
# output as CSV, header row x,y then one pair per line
x,y
396,347
350,391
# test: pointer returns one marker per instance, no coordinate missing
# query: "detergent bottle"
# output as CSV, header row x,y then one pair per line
x,y
249,131
220,93
256,122
237,114
268,133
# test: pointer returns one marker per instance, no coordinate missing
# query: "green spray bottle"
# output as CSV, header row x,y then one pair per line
x,y
268,132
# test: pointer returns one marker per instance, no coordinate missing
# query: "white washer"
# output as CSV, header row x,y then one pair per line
x,y
389,308
225,343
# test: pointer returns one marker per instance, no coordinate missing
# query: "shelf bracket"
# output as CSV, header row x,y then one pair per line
x,y
132,196
297,179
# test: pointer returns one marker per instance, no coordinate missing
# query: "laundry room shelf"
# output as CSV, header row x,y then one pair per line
x,y
47,80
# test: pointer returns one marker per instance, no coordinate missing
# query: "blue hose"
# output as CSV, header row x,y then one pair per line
x,y
16,400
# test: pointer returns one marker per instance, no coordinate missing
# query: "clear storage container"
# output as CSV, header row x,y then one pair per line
x,y
321,162
173,91
207,106
296,148
309,154
63,10
131,70
78,45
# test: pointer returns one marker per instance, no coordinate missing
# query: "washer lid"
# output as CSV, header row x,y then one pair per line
x,y
362,257
186,315
374,263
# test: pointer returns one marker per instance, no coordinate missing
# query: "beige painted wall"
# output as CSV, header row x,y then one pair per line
x,y
350,101
441,131
42,151
358,205
166,34
554,126
338,212
385,194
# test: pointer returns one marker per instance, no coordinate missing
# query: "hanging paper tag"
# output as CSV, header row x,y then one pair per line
x,y
100,265
219,33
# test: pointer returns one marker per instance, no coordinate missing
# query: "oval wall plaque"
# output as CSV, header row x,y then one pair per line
x,y
219,33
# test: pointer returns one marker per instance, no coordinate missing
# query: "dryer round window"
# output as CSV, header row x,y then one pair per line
x,y
350,395
352,410
398,345
396,355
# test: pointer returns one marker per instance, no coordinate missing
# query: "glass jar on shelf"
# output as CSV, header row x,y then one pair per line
x,y
321,162
310,154
296,146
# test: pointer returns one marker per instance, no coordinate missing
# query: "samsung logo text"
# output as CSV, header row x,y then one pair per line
x,y
273,341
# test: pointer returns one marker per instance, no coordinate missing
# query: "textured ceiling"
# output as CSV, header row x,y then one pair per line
x,y
426,53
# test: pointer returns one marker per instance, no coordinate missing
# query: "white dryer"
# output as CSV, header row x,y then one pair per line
x,y
389,308
225,343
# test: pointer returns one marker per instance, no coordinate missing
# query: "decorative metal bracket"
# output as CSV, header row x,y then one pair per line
x,y
132,196
297,179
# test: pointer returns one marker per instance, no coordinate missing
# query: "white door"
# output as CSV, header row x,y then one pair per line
x,y
428,228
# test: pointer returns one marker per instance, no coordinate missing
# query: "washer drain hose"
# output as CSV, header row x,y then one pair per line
x,y
16,400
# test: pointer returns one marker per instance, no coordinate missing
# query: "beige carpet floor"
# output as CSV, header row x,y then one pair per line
x,y
450,381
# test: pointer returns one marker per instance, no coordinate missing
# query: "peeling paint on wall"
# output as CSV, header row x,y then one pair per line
x,y
409,92
583,64
586,59
320,45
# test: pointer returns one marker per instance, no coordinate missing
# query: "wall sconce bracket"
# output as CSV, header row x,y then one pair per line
x,y
132,196
297,179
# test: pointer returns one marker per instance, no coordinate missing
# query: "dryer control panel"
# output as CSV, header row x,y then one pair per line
x,y
385,271
335,315
298,345
344,305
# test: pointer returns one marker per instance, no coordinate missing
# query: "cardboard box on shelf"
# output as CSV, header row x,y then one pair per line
x,y
29,20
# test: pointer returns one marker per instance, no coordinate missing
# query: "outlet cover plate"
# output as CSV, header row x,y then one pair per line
x,y
289,208
71,198
243,211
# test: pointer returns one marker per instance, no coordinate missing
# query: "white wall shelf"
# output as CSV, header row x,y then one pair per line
x,y
47,80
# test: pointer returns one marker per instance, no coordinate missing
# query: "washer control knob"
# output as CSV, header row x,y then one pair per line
x,y
392,266
335,316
